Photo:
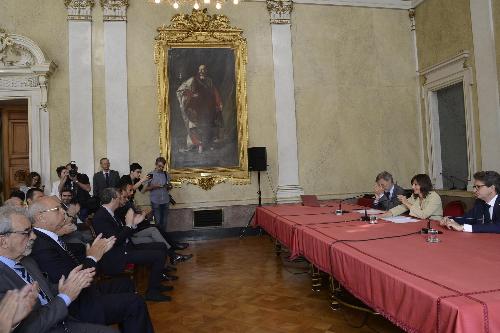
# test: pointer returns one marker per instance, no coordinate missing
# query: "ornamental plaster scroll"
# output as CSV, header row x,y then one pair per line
x,y
79,10
23,65
280,11
114,10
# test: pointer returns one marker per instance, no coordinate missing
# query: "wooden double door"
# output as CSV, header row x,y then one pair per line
x,y
15,142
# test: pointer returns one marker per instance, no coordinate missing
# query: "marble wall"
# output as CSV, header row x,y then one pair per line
x,y
355,88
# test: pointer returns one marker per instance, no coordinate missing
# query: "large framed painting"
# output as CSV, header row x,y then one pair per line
x,y
202,105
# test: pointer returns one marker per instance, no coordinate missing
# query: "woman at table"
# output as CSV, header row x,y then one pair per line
x,y
424,203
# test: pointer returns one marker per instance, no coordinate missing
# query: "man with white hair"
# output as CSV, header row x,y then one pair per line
x,y
50,312
106,302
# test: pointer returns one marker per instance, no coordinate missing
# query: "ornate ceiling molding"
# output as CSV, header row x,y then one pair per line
x,y
79,10
23,65
393,4
280,11
114,10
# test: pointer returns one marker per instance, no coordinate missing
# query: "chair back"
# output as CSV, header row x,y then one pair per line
x,y
454,208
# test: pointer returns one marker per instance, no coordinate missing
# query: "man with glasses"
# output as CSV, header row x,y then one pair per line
x,y
50,311
106,302
485,215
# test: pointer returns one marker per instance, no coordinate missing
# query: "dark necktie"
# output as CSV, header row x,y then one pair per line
x,y
23,273
106,175
486,214
388,195
65,247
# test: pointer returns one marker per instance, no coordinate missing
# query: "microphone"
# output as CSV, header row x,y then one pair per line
x,y
339,211
365,217
429,227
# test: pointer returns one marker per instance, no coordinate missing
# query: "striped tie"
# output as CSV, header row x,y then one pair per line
x,y
26,276
65,247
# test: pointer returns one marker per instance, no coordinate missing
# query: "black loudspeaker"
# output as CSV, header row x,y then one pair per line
x,y
257,159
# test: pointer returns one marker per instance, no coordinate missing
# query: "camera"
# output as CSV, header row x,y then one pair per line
x,y
73,171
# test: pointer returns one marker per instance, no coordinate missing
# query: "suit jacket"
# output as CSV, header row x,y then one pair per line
x,y
99,181
385,203
114,261
42,318
479,212
56,262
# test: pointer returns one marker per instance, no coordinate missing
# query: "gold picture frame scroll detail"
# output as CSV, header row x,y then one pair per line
x,y
199,30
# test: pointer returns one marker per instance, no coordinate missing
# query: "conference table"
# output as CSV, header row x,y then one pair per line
x,y
449,286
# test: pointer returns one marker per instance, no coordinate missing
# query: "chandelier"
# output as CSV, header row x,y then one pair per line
x,y
196,4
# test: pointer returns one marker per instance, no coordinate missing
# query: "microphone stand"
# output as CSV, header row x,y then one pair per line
x,y
259,195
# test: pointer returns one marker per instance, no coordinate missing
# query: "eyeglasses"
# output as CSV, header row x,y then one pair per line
x,y
58,208
24,233
477,187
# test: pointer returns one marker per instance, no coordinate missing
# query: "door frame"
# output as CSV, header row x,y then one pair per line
x,y
26,76
439,76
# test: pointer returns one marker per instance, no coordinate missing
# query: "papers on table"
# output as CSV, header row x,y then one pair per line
x,y
369,211
400,219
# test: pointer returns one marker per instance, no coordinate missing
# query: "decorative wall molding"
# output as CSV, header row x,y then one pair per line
x,y
446,73
415,3
392,4
79,10
114,10
24,73
280,11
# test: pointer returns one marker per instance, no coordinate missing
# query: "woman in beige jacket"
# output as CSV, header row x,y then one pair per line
x,y
424,203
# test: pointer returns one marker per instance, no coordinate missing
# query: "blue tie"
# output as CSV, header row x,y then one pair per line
x,y
25,275
65,247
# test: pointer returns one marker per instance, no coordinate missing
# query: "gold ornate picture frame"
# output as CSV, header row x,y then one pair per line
x,y
202,99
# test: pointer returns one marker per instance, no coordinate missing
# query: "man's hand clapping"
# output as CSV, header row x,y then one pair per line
x,y
100,246
77,279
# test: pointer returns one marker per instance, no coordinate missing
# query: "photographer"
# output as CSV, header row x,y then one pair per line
x,y
135,178
80,186
159,185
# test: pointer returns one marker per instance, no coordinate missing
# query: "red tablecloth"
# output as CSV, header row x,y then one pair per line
x,y
452,286
282,221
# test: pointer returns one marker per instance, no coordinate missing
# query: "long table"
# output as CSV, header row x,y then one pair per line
x,y
451,286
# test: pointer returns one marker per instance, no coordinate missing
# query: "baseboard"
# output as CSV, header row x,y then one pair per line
x,y
214,233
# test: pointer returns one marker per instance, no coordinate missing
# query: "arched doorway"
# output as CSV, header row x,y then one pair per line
x,y
24,75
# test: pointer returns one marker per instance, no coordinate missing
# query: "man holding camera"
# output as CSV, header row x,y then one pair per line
x,y
80,186
159,186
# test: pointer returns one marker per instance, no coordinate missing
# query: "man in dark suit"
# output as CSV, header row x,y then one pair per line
x,y
124,251
105,178
485,215
386,192
107,302
50,312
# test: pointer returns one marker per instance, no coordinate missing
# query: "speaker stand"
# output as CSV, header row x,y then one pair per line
x,y
259,194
